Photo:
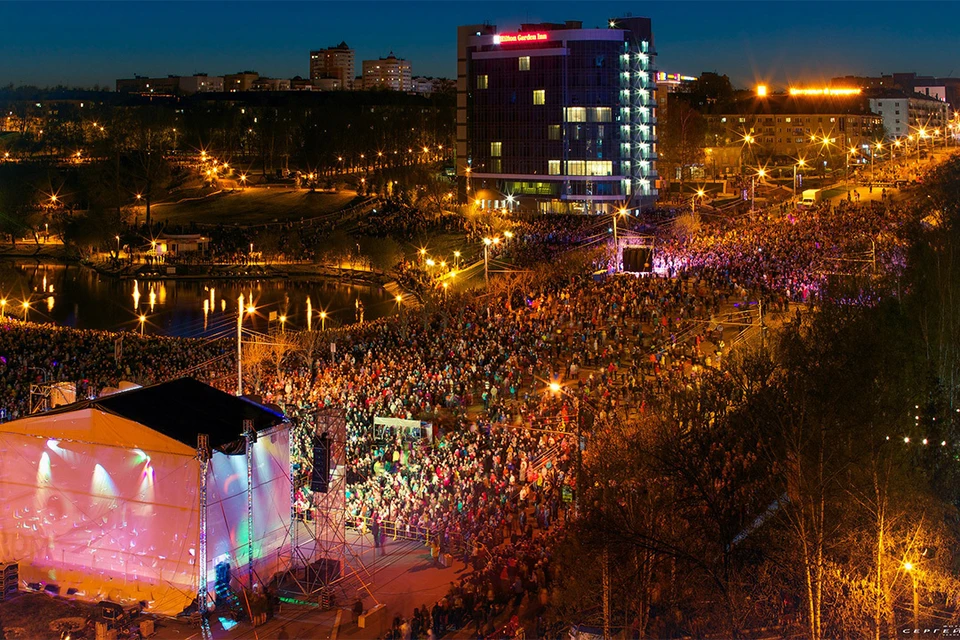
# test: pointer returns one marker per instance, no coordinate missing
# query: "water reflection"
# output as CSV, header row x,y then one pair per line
x,y
79,297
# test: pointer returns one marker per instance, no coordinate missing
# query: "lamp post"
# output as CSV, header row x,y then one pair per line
x,y
26,310
323,320
873,154
912,570
486,259
118,247
761,173
616,240
143,320
693,205
800,163
250,309
557,389
3,307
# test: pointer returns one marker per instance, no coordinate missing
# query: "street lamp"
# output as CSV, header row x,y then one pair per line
x,y
911,569
693,204
3,307
323,320
143,320
486,261
616,240
118,247
748,139
556,388
456,255
800,163
26,310
873,154
250,309
761,173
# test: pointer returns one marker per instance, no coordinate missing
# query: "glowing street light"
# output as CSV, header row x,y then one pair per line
x,y
761,173
250,309
619,213
25,305
911,569
555,387
323,320
143,320
3,307
283,323
800,163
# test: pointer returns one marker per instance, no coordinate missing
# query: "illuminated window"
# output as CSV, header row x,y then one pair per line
x,y
495,165
539,96
788,119
576,168
482,82
553,132
495,149
833,119
524,63
601,114
599,168
575,114
553,167
723,119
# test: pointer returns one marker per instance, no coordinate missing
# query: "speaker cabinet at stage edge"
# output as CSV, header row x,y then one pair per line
x,y
320,478
638,259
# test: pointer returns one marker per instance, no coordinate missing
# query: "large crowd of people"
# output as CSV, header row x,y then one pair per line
x,y
496,479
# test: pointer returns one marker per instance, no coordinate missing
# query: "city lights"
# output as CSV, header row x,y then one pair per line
x,y
825,91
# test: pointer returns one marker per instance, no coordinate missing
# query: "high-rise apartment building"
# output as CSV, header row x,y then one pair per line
x,y
557,118
387,73
336,63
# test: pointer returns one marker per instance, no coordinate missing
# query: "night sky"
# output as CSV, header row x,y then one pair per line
x,y
84,43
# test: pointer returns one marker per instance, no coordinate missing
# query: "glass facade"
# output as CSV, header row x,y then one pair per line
x,y
569,118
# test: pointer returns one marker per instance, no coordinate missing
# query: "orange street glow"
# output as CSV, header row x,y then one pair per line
x,y
824,91
761,90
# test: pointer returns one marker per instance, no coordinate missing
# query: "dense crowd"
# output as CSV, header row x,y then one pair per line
x,y
792,255
95,360
496,479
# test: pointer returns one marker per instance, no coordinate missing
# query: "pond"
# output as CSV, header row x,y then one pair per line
x,y
74,296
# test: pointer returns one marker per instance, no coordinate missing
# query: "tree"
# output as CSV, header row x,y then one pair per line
x,y
18,198
683,139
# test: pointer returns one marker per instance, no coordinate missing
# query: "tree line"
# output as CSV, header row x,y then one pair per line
x,y
810,488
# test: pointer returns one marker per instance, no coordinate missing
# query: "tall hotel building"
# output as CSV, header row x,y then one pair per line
x,y
557,118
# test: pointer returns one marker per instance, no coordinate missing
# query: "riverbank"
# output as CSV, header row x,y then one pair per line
x,y
251,271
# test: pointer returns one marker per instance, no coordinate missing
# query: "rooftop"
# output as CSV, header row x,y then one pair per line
x,y
182,408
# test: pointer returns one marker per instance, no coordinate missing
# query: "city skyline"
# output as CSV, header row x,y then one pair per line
x,y
100,42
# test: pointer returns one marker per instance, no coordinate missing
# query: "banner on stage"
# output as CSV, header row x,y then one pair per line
x,y
411,429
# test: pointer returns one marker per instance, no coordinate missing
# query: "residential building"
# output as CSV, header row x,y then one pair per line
x,y
781,128
335,63
270,84
387,73
427,85
557,118
328,84
905,113
947,89
149,86
242,81
201,83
